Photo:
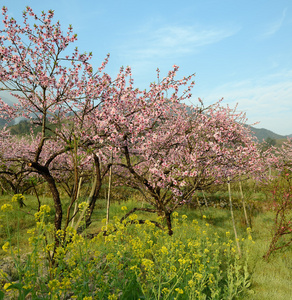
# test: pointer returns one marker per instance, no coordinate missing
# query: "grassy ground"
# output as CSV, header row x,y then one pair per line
x,y
270,280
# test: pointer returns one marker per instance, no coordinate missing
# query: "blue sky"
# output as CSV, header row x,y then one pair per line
x,y
239,50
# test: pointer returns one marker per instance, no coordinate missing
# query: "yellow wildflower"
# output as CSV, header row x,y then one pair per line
x,y
53,285
182,261
164,250
83,205
148,264
179,291
19,198
70,231
6,207
45,209
6,286
133,217
60,233
134,268
5,247
198,276
191,283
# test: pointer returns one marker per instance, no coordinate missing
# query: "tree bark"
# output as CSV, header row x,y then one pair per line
x,y
168,222
45,173
95,190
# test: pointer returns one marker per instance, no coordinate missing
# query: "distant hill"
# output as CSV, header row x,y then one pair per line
x,y
260,133
2,123
263,134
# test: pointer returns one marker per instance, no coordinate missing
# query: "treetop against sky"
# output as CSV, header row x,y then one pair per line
x,y
239,50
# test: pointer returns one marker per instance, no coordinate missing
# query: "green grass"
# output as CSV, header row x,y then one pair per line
x,y
270,279
26,221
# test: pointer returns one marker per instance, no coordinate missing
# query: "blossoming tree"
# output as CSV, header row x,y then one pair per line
x,y
54,89
168,150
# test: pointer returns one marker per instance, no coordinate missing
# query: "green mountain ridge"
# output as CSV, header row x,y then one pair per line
x,y
260,133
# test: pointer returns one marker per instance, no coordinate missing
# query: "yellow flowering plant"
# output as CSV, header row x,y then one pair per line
x,y
133,261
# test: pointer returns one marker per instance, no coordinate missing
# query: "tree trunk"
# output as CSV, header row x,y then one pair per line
x,y
57,201
168,222
109,193
94,191
44,171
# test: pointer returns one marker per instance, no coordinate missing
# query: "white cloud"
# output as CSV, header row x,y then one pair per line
x,y
171,41
147,48
275,26
266,100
